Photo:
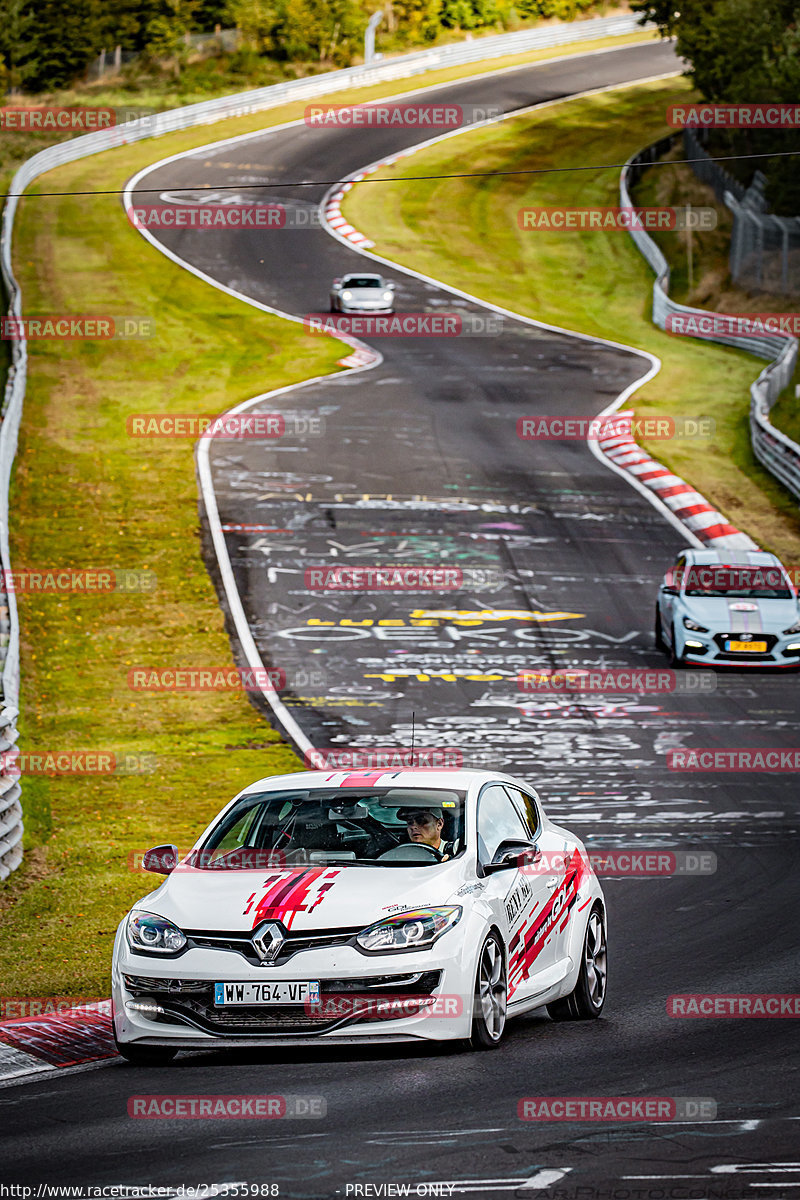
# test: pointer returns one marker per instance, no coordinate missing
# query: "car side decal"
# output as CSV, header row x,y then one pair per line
x,y
529,940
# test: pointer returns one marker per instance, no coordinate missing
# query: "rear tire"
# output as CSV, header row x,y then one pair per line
x,y
586,1002
491,997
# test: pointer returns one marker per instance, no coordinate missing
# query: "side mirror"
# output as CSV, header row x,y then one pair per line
x,y
511,855
162,860
669,590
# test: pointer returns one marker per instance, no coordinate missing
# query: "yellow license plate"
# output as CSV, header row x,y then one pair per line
x,y
748,647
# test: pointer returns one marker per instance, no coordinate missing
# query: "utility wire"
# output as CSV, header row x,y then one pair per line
x,y
298,183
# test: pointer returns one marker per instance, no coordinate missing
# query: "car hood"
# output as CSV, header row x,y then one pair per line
x,y
315,897
742,616
366,293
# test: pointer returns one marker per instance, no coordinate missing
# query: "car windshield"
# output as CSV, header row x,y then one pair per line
x,y
363,281
346,826
737,583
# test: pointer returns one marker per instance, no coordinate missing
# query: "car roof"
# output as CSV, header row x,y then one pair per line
x,y
361,275
737,558
460,779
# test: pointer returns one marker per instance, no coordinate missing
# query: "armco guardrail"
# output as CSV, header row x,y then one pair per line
x,y
778,453
205,113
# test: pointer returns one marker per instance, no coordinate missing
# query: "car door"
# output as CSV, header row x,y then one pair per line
x,y
557,868
667,599
518,895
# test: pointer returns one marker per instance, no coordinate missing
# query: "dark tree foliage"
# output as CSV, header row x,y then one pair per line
x,y
742,51
65,36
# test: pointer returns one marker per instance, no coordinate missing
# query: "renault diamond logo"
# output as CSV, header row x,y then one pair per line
x,y
268,940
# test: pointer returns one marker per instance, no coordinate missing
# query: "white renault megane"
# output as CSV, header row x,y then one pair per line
x,y
382,905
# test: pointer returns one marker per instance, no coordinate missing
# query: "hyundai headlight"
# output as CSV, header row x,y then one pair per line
x,y
793,628
690,624
415,930
155,934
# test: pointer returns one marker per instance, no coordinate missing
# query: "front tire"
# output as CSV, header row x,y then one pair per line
x,y
491,996
675,660
145,1056
658,631
586,1002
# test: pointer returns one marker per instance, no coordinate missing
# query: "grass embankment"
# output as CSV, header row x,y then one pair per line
x,y
711,285
465,232
84,496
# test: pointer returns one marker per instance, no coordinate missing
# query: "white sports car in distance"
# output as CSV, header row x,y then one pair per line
x,y
375,906
362,294
728,609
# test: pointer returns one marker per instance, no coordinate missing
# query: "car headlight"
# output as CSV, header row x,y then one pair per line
x,y
690,624
415,930
388,296
347,295
146,931
793,628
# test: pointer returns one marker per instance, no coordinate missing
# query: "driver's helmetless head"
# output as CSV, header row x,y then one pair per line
x,y
424,825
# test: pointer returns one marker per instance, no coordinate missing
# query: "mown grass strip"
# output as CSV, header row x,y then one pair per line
x,y
465,231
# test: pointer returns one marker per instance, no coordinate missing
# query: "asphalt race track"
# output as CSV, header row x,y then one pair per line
x,y
420,464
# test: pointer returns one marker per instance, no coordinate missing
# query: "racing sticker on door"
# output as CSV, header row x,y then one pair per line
x,y
290,892
528,942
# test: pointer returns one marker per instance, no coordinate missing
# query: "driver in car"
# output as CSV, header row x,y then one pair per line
x,y
425,828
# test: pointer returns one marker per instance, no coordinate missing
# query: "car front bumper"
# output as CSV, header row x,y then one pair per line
x,y
182,988
709,648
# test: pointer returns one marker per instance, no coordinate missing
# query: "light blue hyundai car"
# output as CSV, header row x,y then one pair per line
x,y
738,608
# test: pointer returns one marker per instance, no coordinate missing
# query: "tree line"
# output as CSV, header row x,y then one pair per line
x,y
46,45
742,51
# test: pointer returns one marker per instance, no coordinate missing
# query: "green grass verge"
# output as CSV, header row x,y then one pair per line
x,y
465,231
85,496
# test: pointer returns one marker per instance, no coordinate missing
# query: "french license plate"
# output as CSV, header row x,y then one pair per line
x,y
284,992
747,647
